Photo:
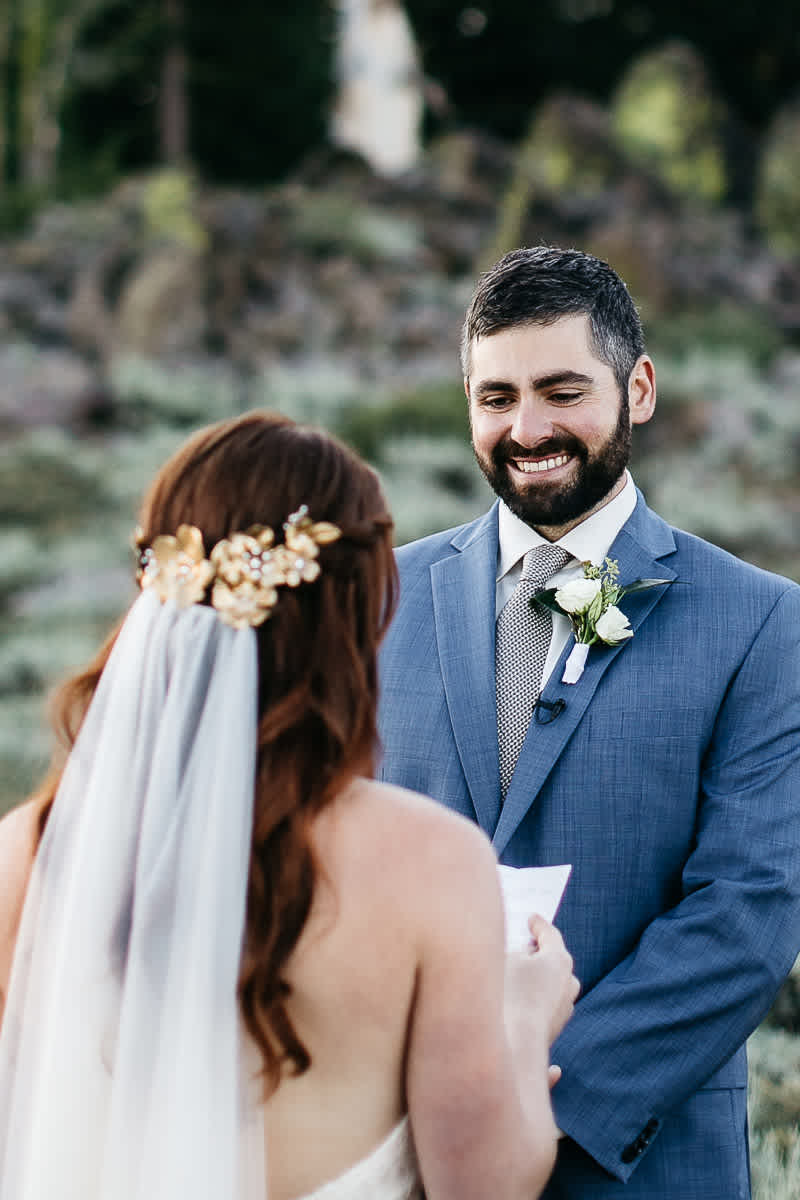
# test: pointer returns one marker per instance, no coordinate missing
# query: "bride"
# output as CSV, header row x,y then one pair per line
x,y
233,965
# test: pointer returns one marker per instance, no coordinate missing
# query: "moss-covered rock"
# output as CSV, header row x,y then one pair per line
x,y
40,387
161,309
335,222
168,206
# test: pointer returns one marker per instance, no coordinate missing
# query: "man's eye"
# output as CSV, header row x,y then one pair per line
x,y
496,401
565,397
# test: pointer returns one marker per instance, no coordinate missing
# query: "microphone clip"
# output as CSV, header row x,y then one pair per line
x,y
546,711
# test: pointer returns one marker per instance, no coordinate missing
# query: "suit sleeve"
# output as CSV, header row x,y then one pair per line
x,y
703,974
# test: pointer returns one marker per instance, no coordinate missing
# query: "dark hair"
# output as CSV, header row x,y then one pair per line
x,y
317,668
539,284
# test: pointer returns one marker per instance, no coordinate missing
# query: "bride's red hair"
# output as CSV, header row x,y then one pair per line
x,y
317,668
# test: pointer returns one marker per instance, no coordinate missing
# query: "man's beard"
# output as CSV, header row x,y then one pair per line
x,y
544,504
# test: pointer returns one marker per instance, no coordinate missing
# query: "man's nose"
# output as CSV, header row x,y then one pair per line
x,y
532,423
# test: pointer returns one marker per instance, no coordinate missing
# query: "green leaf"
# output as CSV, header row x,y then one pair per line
x,y
595,611
641,585
547,598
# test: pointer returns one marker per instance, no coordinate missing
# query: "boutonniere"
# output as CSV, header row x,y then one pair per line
x,y
591,605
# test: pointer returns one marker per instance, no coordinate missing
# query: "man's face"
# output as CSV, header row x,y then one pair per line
x,y
550,431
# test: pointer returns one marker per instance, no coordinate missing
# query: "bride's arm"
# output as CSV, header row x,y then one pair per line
x,y
478,1096
18,836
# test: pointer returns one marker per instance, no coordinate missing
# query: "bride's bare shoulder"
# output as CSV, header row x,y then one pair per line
x,y
414,834
18,840
430,873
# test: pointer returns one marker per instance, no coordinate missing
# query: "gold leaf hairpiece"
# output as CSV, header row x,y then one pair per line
x,y
176,567
245,569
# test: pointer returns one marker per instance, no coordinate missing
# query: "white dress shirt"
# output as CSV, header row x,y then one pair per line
x,y
591,540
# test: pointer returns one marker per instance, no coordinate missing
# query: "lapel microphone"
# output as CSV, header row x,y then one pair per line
x,y
546,711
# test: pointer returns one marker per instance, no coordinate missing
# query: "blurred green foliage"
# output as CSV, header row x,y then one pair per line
x,y
716,328
778,191
84,83
42,487
259,80
495,68
667,118
338,223
431,410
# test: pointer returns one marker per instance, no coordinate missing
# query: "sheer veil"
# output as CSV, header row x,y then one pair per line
x,y
124,1072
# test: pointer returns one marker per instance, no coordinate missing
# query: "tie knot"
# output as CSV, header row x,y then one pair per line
x,y
543,562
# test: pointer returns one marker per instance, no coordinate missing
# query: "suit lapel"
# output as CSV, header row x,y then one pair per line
x,y
464,613
643,541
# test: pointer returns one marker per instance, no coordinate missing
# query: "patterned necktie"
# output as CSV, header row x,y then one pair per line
x,y
522,642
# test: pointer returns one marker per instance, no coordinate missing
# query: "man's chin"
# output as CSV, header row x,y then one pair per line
x,y
536,513
538,490
539,502
544,506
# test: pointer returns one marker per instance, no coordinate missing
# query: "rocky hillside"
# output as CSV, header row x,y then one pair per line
x,y
338,297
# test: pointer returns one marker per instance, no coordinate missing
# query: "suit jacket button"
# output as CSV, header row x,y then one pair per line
x,y
646,1136
640,1143
632,1151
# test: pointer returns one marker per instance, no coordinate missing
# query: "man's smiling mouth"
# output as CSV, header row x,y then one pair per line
x,y
532,466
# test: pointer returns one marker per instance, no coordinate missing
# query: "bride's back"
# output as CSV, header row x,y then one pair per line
x,y
352,977
399,877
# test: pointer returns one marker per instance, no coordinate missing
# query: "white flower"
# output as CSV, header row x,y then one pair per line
x,y
577,595
613,626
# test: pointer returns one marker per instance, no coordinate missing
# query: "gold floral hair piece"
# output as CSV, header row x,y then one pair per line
x,y
244,570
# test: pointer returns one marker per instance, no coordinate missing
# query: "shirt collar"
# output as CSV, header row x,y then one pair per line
x,y
589,541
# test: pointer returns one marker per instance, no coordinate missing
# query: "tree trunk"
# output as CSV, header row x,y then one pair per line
x,y
12,98
173,104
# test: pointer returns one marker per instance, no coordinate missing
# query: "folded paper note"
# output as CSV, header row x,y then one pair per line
x,y
529,890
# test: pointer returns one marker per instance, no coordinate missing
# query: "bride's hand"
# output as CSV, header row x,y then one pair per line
x,y
540,984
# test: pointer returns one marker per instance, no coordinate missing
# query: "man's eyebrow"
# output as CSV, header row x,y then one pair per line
x,y
555,379
486,386
559,378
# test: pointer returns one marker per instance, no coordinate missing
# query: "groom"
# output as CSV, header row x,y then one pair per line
x,y
668,775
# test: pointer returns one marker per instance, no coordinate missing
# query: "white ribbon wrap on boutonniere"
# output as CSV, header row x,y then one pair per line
x,y
591,605
573,667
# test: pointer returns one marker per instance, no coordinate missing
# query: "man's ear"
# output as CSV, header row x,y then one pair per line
x,y
642,391
466,386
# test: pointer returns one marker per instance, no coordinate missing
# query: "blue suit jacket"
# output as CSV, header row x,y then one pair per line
x,y
671,781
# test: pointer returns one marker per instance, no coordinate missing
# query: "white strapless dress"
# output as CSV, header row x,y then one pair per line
x,y
389,1172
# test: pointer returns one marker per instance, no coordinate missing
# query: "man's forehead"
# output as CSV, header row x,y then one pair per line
x,y
536,348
